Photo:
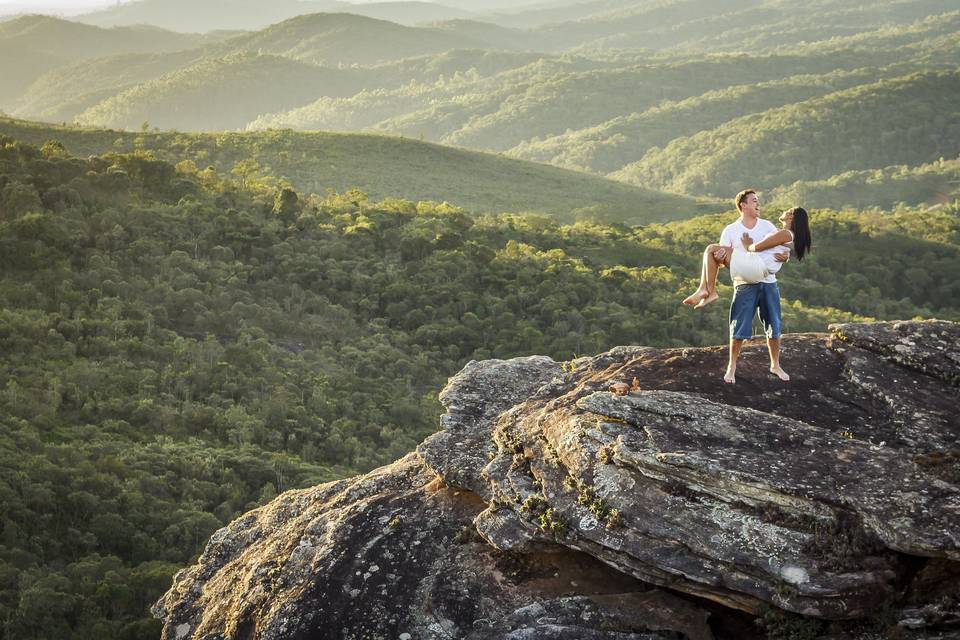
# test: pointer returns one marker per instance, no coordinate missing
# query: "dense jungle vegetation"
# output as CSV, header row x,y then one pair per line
x,y
179,345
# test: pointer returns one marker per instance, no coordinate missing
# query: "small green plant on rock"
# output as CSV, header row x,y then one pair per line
x,y
551,522
544,516
614,519
533,505
599,508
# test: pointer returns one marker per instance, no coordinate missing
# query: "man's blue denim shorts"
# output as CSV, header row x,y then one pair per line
x,y
750,298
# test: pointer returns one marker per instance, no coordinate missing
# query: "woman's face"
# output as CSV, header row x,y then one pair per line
x,y
786,219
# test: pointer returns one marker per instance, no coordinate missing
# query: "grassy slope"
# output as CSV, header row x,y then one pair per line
x,y
389,167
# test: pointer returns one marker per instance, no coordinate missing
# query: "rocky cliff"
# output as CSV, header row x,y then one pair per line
x,y
549,506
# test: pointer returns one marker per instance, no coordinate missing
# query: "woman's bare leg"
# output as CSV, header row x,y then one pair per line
x,y
707,292
708,278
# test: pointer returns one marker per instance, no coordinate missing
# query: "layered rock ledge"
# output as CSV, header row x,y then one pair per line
x,y
549,506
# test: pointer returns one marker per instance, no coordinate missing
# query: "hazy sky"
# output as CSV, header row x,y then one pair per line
x,y
73,7
86,4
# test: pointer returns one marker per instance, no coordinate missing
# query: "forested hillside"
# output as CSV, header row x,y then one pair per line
x,y
180,345
385,167
215,93
63,93
344,39
907,120
545,97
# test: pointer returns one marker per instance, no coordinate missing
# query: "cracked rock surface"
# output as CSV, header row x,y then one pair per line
x,y
549,507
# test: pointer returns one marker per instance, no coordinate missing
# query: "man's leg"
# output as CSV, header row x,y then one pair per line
x,y
742,308
772,326
730,375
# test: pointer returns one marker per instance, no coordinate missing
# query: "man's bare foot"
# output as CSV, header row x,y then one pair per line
x,y
707,300
780,373
695,297
730,377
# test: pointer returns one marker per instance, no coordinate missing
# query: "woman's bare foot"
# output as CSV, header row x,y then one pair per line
x,y
696,296
780,373
711,297
730,377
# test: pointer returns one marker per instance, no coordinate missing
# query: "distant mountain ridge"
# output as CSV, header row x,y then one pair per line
x,y
199,16
32,45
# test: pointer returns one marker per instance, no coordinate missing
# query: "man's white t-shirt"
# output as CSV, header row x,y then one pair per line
x,y
733,233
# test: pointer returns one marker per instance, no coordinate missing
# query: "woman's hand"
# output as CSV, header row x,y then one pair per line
x,y
747,242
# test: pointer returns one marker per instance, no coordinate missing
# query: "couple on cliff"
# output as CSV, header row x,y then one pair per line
x,y
754,250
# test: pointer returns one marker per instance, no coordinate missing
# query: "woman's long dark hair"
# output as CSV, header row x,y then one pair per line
x,y
801,232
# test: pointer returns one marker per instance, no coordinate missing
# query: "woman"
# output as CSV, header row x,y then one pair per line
x,y
754,261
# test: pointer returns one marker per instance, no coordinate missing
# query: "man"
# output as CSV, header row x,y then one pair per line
x,y
749,299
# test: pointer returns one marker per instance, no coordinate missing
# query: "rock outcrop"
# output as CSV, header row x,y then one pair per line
x,y
550,507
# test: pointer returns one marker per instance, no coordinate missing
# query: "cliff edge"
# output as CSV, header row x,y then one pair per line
x,y
549,506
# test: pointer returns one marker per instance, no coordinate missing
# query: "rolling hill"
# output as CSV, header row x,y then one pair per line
x,y
933,184
199,16
33,45
715,25
383,166
222,93
345,39
73,40
548,97
66,91
604,111
908,120
613,144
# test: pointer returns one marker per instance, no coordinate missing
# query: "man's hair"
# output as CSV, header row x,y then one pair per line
x,y
742,196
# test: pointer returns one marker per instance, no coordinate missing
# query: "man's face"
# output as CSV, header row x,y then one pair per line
x,y
750,207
